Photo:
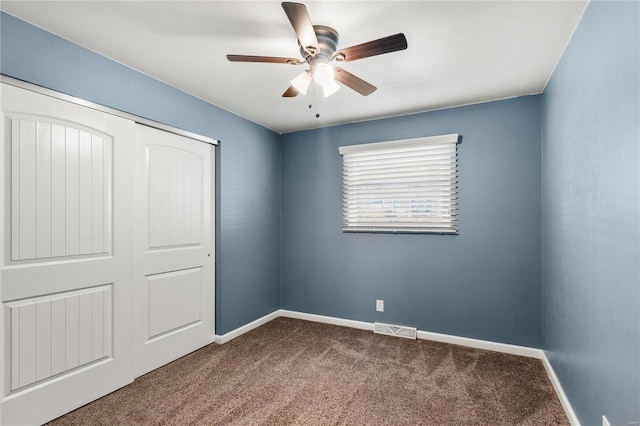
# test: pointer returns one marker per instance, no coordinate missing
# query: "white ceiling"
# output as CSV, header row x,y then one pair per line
x,y
460,52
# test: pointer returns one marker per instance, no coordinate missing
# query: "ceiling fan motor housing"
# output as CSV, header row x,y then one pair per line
x,y
327,43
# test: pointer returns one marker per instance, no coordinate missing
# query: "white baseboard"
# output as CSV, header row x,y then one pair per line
x,y
327,320
568,410
246,328
425,335
482,344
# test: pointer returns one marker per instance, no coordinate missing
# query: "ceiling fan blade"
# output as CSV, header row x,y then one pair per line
x,y
266,59
353,82
372,48
291,92
301,23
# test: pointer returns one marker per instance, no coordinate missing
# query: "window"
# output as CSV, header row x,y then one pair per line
x,y
405,186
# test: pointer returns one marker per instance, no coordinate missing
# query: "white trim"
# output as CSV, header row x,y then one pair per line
x,y
423,335
361,325
108,110
568,410
245,328
482,344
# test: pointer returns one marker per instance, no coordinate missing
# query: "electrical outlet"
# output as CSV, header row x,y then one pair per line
x,y
605,422
380,305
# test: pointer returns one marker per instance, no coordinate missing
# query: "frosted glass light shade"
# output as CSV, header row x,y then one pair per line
x,y
302,82
323,74
330,88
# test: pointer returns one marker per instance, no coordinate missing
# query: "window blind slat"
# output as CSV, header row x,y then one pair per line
x,y
399,218
396,204
348,202
435,186
408,194
395,168
400,156
364,212
403,177
392,230
443,182
408,187
433,224
401,189
378,166
368,210
399,214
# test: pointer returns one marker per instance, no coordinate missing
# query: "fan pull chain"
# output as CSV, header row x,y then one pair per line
x,y
316,98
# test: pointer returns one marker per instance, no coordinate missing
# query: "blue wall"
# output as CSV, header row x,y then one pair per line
x,y
591,215
248,173
483,283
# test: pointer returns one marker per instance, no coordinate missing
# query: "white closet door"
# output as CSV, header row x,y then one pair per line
x,y
66,287
174,247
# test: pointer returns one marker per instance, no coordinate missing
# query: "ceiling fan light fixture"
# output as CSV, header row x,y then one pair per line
x,y
330,88
302,82
323,74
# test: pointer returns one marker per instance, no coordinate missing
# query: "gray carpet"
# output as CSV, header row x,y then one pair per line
x,y
293,372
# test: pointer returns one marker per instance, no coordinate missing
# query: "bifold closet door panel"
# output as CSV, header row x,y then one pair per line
x,y
66,278
174,247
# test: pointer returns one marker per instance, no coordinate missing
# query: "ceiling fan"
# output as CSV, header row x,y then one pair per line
x,y
318,44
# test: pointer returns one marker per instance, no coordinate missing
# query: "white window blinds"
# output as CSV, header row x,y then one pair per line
x,y
401,186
